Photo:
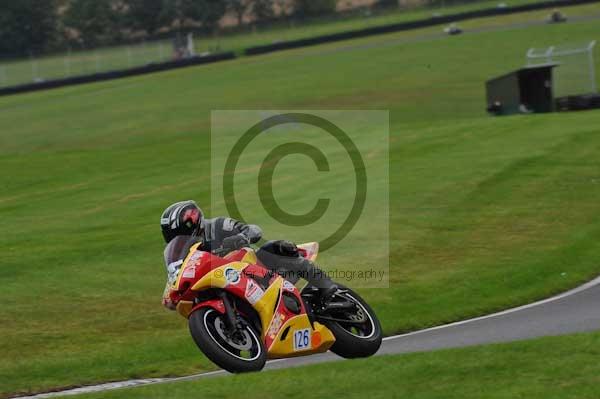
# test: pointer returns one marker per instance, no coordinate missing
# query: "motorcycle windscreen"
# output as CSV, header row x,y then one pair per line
x,y
178,248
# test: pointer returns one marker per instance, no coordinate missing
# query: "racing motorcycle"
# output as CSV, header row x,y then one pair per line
x,y
240,313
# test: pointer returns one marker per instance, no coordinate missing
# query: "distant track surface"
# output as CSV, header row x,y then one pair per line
x,y
439,35
574,311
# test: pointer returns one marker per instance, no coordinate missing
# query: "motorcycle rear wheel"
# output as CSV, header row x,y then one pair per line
x,y
241,352
356,340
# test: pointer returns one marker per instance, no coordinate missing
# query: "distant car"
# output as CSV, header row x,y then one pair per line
x,y
556,17
453,29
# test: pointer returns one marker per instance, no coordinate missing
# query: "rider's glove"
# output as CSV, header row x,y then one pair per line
x,y
235,242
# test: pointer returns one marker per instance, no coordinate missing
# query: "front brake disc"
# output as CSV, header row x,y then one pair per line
x,y
241,339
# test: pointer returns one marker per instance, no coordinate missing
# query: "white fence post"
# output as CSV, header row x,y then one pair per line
x,y
34,69
145,53
129,56
68,64
592,67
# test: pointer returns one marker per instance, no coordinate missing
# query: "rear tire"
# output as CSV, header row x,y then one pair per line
x,y
352,342
244,353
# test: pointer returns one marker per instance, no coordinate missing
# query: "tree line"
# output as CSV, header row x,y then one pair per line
x,y
29,27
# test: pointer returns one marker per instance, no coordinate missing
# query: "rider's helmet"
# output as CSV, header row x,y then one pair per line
x,y
181,218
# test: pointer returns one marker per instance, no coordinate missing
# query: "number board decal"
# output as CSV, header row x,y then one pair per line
x,y
302,339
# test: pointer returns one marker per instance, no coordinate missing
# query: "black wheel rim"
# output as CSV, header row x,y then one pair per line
x,y
360,321
243,344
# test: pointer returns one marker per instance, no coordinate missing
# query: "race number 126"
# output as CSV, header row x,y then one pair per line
x,y
302,339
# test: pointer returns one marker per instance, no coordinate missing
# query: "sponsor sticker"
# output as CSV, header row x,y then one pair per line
x,y
232,275
287,285
253,292
189,272
275,325
195,258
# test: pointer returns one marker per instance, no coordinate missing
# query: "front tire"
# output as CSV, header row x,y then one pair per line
x,y
243,352
356,340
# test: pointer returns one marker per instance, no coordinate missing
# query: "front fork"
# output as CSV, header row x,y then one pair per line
x,y
231,321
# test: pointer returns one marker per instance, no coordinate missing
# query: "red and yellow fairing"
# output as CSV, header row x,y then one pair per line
x,y
283,324
234,273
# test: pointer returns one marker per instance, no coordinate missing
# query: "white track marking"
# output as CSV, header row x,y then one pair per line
x,y
128,384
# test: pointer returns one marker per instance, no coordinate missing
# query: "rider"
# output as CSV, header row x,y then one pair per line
x,y
183,225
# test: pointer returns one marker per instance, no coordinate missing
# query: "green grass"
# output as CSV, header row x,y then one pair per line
x,y
105,59
548,368
486,213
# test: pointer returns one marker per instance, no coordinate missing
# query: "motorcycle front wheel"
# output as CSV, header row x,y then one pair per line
x,y
240,351
361,335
